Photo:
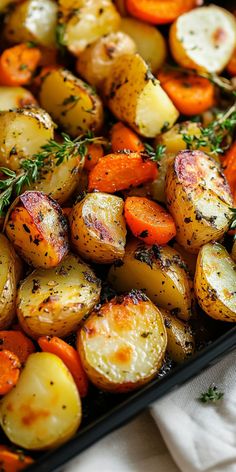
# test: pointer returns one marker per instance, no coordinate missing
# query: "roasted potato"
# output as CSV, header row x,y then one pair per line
x,y
189,258
199,199
15,97
82,22
22,133
72,103
159,271
215,282
180,339
173,138
95,63
32,20
98,228
10,271
150,42
54,301
44,409
148,107
123,344
37,229
203,38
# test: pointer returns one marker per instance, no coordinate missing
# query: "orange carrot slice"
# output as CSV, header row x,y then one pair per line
x,y
9,371
123,137
17,64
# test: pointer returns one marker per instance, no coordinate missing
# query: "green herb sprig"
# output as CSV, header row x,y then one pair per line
x,y
212,395
155,154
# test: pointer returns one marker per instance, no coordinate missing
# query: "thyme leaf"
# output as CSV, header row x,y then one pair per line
x,y
155,154
212,395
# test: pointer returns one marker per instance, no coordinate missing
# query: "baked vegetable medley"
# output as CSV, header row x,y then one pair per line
x,y
117,202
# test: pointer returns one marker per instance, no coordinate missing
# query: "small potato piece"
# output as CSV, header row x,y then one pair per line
x,y
38,230
95,63
123,344
160,271
22,133
148,107
33,20
10,270
199,199
98,228
72,103
215,282
15,97
85,21
173,138
150,42
44,409
54,301
189,258
204,38
180,340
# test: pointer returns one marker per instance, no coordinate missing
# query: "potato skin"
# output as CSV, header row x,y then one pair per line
x,y
180,339
159,270
44,409
98,229
72,103
122,345
199,199
54,301
22,133
37,229
15,97
215,282
10,271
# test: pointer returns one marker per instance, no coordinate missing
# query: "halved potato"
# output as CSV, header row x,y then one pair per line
x,y
122,345
148,107
203,38
150,42
215,282
82,22
15,97
173,138
32,20
72,103
54,301
44,409
10,271
98,228
159,271
94,64
199,199
180,339
37,229
22,133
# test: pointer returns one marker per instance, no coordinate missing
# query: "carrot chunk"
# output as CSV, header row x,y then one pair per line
x,y
123,137
94,152
159,11
17,64
9,371
18,343
13,462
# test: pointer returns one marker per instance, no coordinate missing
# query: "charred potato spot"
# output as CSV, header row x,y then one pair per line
x,y
123,344
54,301
38,230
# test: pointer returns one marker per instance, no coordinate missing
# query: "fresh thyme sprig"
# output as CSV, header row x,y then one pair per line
x,y
155,154
52,153
212,395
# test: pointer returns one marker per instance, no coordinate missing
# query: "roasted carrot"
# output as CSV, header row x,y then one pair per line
x,y
94,152
231,66
66,211
9,371
18,343
17,64
190,94
11,461
123,137
229,165
70,357
121,171
159,11
149,221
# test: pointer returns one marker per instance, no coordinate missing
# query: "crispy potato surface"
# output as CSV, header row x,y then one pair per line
x,y
180,339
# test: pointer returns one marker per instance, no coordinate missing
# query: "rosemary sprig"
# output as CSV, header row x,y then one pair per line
x,y
155,154
52,153
212,395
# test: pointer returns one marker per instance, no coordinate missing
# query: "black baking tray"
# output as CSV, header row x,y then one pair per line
x,y
119,409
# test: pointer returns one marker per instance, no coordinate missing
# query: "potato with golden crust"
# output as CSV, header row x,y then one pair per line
x,y
10,271
15,97
215,282
95,63
98,229
22,133
148,107
180,339
160,271
199,199
37,229
72,103
122,345
54,301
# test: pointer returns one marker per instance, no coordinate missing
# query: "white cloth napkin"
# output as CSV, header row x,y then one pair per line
x,y
200,437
